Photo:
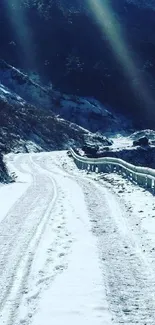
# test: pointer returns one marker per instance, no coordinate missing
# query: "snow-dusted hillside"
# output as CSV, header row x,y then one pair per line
x,y
35,117
86,112
91,114
23,126
65,44
24,86
31,117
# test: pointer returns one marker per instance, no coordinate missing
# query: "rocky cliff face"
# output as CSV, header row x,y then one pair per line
x,y
64,43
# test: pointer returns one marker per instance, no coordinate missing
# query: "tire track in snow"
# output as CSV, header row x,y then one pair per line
x,y
129,278
129,281
15,279
61,246
127,270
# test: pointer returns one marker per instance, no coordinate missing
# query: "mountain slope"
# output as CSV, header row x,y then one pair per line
x,y
65,44
21,122
86,112
36,117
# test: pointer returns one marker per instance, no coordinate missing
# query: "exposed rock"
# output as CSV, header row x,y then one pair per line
x,y
4,176
141,142
90,151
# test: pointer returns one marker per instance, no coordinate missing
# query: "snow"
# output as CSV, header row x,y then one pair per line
x,y
121,142
9,194
77,294
10,96
75,247
140,205
15,82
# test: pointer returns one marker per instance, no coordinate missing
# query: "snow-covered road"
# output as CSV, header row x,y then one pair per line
x,y
71,249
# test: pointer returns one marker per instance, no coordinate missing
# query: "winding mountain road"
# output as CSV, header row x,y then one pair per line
x,y
68,250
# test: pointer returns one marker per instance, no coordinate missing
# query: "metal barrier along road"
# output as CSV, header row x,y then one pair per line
x,y
143,176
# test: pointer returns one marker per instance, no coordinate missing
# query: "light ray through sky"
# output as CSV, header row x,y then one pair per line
x,y
110,26
21,29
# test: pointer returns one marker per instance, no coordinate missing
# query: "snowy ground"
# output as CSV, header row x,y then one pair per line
x,y
121,142
74,247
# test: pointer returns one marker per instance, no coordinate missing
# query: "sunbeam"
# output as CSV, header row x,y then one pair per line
x,y
21,29
110,26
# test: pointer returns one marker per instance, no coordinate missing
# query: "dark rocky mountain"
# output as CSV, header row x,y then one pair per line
x,y
83,51
29,119
83,111
35,118
25,127
74,68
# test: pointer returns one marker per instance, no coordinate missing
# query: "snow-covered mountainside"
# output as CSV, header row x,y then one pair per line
x,y
35,117
32,116
26,127
86,112
65,43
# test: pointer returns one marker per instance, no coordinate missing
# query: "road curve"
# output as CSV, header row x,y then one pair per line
x,y
68,252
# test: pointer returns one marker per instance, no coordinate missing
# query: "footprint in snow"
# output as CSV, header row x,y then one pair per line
x,y
59,267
